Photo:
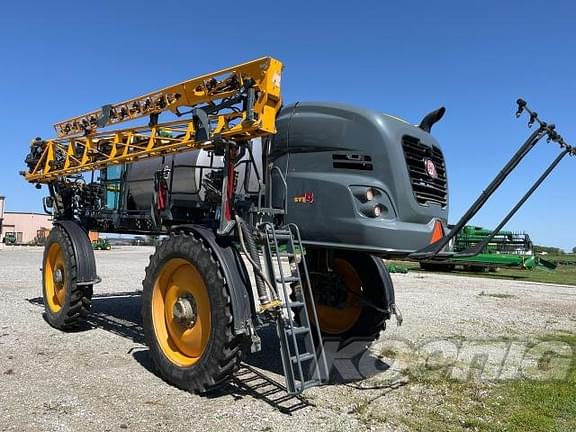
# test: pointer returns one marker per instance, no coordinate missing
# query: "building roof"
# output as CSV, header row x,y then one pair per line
x,y
27,213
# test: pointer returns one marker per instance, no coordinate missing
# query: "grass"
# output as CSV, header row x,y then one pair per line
x,y
565,274
442,404
540,406
569,258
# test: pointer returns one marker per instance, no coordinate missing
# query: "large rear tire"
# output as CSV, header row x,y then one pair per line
x,y
187,316
66,303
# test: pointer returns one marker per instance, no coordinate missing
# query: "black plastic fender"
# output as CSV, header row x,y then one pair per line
x,y
388,297
83,252
235,274
381,287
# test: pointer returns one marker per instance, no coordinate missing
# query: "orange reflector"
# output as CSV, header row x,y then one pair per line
x,y
438,232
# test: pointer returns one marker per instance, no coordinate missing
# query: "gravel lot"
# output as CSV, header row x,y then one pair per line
x,y
101,379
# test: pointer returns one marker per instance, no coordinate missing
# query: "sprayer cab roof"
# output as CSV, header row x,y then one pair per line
x,y
312,126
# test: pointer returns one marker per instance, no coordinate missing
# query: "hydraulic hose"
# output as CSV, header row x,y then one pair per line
x,y
249,246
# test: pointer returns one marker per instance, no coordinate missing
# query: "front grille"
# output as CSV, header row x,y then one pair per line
x,y
426,188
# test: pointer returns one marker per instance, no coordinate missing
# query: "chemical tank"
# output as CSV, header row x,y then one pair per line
x,y
187,174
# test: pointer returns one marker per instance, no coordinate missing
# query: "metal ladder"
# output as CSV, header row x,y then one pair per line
x,y
304,363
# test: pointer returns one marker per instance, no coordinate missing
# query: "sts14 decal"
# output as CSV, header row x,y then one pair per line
x,y
306,198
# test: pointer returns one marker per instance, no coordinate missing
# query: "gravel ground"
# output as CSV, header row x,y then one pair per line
x,y
101,379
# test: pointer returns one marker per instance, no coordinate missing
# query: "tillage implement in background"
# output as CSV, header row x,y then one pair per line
x,y
272,215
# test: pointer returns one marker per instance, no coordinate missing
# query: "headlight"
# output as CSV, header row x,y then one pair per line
x,y
369,195
372,202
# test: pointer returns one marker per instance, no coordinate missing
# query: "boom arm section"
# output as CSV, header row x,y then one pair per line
x,y
231,105
544,130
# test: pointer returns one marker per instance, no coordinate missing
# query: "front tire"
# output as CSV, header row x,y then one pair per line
x,y
187,316
341,298
66,303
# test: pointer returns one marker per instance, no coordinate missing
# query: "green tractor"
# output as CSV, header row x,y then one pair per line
x,y
10,238
101,244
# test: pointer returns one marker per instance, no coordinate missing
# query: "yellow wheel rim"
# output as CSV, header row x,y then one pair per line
x,y
339,320
55,278
181,312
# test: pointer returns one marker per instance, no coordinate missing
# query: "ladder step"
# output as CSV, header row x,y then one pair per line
x,y
285,255
303,357
288,279
283,235
297,331
294,304
270,210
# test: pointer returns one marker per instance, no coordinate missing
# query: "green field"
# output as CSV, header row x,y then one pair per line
x,y
565,274
515,405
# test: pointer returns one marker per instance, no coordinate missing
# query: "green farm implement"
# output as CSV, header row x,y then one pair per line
x,y
503,249
101,244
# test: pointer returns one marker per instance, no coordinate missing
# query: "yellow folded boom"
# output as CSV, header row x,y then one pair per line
x,y
239,103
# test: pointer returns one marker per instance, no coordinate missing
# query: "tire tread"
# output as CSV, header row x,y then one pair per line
x,y
78,298
224,353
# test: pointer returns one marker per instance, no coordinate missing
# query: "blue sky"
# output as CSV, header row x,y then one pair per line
x,y
60,59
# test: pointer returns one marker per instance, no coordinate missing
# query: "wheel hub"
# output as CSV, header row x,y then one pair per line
x,y
58,276
330,290
184,311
